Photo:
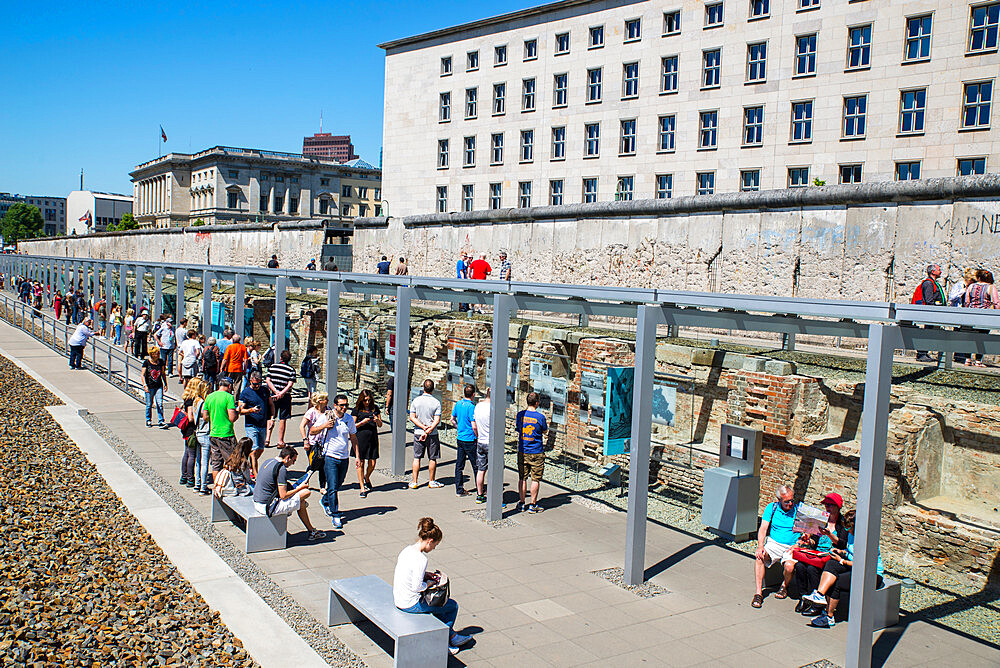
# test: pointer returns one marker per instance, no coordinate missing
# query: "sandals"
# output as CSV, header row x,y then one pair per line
x,y
757,601
781,593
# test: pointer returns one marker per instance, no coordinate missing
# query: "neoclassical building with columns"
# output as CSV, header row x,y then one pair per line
x,y
224,185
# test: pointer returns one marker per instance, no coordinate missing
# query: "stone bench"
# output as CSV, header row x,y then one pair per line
x,y
419,640
885,600
263,533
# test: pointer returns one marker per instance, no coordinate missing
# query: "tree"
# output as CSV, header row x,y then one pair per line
x,y
23,221
128,222
198,223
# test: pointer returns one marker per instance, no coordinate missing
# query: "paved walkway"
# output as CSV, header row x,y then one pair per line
x,y
527,591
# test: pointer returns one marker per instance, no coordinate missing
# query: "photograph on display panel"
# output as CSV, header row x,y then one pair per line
x,y
618,410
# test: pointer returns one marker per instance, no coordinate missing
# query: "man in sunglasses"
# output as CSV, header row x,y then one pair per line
x,y
340,440
775,541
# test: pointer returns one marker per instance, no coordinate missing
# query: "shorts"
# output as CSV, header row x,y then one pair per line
x,y
530,465
257,435
235,376
310,385
777,552
220,449
284,507
482,456
430,444
283,407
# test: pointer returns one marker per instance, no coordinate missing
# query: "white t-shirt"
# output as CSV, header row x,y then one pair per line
x,y
408,579
481,415
180,334
427,407
338,439
190,348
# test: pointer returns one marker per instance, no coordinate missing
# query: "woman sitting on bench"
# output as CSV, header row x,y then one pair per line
x,y
836,578
412,579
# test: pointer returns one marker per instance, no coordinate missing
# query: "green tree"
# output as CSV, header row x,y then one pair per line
x,y
198,223
128,222
23,221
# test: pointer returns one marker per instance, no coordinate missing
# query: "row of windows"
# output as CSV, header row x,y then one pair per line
x,y
976,108
797,177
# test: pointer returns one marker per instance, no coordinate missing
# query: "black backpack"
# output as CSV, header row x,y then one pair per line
x,y
210,359
306,369
268,357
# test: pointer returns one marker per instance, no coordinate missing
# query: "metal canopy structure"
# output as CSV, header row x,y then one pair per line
x,y
886,326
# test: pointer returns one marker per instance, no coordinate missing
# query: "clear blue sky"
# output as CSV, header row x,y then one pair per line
x,y
87,85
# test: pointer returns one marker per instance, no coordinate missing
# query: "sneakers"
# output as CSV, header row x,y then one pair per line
x,y
533,508
434,484
364,493
337,522
519,506
413,485
816,597
480,498
463,492
824,621
457,640
316,535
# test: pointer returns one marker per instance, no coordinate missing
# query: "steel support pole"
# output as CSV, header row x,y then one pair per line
x,y
280,315
639,450
140,273
239,301
401,383
503,306
332,336
157,292
882,342
206,302
181,277
123,287
109,275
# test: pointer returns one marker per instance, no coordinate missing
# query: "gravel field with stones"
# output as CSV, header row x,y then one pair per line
x,y
82,582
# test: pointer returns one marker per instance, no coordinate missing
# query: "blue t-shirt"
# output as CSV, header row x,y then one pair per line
x,y
460,269
382,267
850,554
223,344
462,412
530,427
781,523
252,398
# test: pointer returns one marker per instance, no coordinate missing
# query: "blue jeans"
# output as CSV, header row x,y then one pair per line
x,y
157,398
465,450
118,335
336,471
169,359
202,472
447,613
256,434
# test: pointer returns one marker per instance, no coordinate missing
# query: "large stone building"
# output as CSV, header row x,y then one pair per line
x,y
233,185
53,210
592,101
89,211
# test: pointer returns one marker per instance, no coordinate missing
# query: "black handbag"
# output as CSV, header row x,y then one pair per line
x,y
437,595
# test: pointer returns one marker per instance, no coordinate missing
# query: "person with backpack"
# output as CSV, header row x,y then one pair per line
x,y
167,340
929,293
234,359
189,433
210,358
197,390
308,370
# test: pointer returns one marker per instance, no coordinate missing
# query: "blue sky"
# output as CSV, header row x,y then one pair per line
x,y
87,85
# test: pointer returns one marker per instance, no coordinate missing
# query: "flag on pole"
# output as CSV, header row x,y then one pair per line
x,y
87,219
163,135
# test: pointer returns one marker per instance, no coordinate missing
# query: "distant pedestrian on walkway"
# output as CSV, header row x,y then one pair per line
x,y
280,379
462,417
383,266
930,293
401,268
311,266
141,328
981,294
425,414
273,262
78,342
234,360
367,420
481,424
480,269
505,268
530,425
154,377
308,370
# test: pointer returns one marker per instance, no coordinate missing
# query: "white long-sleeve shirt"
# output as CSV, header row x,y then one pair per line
x,y
408,580
81,335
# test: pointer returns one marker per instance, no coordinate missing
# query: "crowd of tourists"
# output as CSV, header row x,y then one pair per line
x,y
975,290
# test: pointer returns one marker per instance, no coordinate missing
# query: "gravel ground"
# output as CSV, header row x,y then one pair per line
x,y
83,583
617,576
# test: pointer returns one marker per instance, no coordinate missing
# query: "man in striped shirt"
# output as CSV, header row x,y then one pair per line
x,y
280,378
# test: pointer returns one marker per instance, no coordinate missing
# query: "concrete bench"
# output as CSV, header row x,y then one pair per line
x,y
419,640
263,533
885,600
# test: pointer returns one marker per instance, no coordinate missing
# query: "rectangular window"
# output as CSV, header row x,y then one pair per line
x,y
530,49
633,30
760,9
442,153
798,177
859,47
555,192
524,194
499,99
976,105
802,121
346,210
362,192
908,171
713,14
630,80
807,4
279,179
664,186
527,145
499,55
805,55
469,152
668,74
918,38
850,174
362,210
345,191
233,200
324,182
665,142
560,90
234,173
983,22
672,22
911,110
495,191
496,148
559,143
324,206
855,112
749,180
712,68
589,190
706,183
471,102
708,137
467,197
753,126
594,84
445,66
625,189
596,37
971,166
592,140
562,43
442,199
472,61
264,199
757,62
444,107
627,144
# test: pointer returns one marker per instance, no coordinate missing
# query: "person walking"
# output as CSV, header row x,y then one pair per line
x,y
530,425
210,360
309,370
401,268
220,411
81,306
273,262
189,475
367,420
256,404
383,266
154,378
166,339
981,294
341,438
317,409
197,390
78,342
234,360
505,268
425,414
462,417
180,335
462,273
481,425
280,379
190,352
57,304
129,324
930,293
116,323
